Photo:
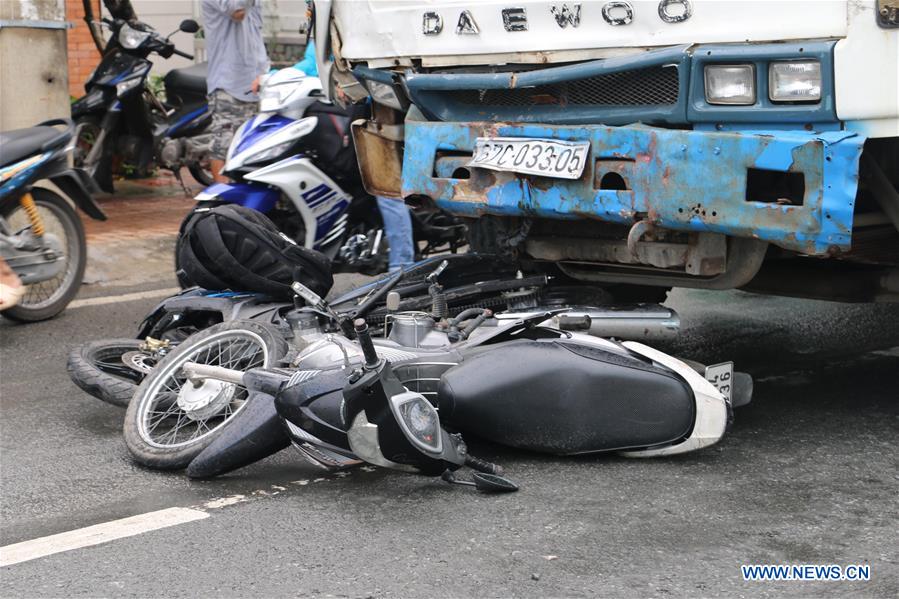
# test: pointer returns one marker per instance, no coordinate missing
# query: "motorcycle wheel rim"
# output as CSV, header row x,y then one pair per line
x,y
163,423
45,293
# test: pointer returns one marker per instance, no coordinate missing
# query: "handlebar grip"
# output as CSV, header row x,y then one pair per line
x,y
364,338
483,465
183,54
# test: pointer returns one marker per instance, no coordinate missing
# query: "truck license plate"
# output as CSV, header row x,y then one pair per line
x,y
722,377
545,157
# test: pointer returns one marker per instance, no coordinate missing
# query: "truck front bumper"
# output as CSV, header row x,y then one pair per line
x,y
695,181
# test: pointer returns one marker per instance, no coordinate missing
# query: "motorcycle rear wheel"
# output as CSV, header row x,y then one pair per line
x,y
169,422
98,369
48,298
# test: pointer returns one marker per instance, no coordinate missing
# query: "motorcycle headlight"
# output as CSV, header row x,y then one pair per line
x,y
123,87
384,93
730,84
419,421
271,99
131,38
795,81
272,152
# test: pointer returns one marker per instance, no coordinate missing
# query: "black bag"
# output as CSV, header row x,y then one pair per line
x,y
332,143
237,248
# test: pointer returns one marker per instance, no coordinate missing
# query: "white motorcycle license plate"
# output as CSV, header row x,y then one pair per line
x,y
722,377
545,157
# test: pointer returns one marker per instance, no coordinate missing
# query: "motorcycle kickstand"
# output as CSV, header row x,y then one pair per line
x,y
187,192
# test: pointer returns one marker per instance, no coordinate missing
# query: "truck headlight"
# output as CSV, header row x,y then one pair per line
x,y
384,93
795,81
730,84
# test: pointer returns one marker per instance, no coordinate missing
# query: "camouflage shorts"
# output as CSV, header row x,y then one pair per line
x,y
228,114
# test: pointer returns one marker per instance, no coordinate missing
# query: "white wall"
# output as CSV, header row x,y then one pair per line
x,y
164,16
283,19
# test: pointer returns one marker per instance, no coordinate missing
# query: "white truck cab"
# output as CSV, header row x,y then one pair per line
x,y
695,143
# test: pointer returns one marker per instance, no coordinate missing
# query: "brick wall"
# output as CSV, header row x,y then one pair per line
x,y
82,53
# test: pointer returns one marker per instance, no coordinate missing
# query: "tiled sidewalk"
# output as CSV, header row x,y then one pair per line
x,y
140,210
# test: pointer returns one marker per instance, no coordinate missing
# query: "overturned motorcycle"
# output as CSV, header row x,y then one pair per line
x,y
111,369
237,392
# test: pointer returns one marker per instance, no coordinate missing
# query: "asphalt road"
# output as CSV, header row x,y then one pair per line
x,y
809,474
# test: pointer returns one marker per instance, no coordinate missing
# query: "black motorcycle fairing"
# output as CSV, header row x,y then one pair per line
x,y
313,402
198,308
76,184
544,396
117,66
252,435
371,393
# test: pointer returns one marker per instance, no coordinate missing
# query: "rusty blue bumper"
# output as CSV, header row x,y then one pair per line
x,y
701,181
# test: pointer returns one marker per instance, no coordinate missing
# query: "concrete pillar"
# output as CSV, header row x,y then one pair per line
x,y
33,72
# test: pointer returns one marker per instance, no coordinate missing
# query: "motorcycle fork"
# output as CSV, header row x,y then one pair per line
x,y
34,217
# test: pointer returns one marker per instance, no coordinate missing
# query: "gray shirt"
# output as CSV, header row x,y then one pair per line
x,y
234,49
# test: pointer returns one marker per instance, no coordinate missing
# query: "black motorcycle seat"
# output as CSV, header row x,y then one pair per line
x,y
19,144
192,78
555,396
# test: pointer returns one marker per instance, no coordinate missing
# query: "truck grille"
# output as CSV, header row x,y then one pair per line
x,y
651,86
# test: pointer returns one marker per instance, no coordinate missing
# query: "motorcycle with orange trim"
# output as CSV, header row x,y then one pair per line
x,y
42,238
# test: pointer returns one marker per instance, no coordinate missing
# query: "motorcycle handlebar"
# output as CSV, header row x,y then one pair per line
x,y
183,54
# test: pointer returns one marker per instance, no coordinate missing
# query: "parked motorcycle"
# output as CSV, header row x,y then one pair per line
x,y
123,127
295,162
41,236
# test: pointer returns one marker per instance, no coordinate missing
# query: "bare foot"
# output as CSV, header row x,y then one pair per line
x,y
11,288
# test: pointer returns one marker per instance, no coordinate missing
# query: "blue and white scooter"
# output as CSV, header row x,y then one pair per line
x,y
295,162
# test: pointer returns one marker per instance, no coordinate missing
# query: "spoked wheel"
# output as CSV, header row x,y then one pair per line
x,y
170,420
64,234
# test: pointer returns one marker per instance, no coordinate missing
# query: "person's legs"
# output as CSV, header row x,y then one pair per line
x,y
228,114
398,228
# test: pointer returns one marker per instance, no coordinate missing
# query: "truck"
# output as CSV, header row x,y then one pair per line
x,y
639,145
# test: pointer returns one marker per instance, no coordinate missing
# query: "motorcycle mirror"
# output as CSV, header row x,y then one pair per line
x,y
491,483
189,26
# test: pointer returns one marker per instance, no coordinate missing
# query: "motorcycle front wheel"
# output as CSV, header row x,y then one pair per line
x,y
202,173
48,298
170,420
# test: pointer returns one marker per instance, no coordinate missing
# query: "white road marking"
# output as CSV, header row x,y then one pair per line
x,y
221,502
131,526
126,297
97,534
